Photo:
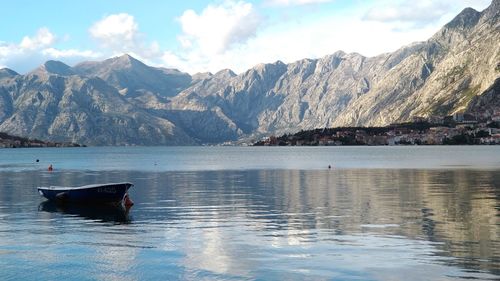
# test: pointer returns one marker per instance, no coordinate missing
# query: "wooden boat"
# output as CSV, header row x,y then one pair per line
x,y
93,193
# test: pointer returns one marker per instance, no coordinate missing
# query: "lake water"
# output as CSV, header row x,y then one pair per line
x,y
246,213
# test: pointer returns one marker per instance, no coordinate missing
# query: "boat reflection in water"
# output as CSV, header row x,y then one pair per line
x,y
99,212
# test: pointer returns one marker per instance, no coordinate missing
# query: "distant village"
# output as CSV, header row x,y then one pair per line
x,y
9,141
459,129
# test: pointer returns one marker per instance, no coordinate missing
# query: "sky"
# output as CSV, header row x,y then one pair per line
x,y
211,35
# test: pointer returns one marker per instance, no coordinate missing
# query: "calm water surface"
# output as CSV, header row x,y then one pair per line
x,y
404,213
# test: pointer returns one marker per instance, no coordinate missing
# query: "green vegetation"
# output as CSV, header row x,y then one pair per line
x,y
444,107
9,141
344,135
467,95
462,129
465,138
439,108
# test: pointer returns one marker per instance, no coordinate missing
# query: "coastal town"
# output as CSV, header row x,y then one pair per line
x,y
9,141
458,129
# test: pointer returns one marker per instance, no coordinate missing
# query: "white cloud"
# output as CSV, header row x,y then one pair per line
x,y
119,33
115,30
311,41
347,30
219,27
43,38
69,53
35,50
232,34
295,2
291,41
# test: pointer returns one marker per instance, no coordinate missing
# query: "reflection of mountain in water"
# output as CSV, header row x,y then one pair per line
x,y
457,208
104,213
225,221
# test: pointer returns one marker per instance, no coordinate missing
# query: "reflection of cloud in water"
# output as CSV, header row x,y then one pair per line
x,y
268,224
207,248
210,247
299,218
114,262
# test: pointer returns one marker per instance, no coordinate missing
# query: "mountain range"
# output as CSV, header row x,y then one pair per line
x,y
122,101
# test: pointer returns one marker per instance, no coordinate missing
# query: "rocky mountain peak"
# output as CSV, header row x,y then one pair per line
x,y
58,67
125,61
55,68
128,102
201,76
125,57
103,69
128,73
272,68
7,73
171,71
339,54
456,31
495,4
466,19
330,62
493,11
225,74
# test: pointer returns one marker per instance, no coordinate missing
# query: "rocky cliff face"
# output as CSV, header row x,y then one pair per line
x,y
436,77
7,73
123,101
84,110
133,78
488,103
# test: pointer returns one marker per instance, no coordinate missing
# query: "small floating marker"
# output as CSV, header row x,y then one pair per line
x,y
50,168
127,202
37,160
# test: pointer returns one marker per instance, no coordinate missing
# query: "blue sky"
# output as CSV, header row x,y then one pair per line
x,y
198,36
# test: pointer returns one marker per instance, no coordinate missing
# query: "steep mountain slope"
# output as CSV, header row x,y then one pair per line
x,y
81,110
52,67
441,78
132,77
122,101
7,73
436,77
487,104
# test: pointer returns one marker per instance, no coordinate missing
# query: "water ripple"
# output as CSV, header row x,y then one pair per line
x,y
259,224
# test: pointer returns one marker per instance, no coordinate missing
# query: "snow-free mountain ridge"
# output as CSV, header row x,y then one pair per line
x,y
122,101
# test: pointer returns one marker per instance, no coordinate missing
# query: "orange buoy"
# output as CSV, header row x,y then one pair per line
x,y
127,202
50,168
